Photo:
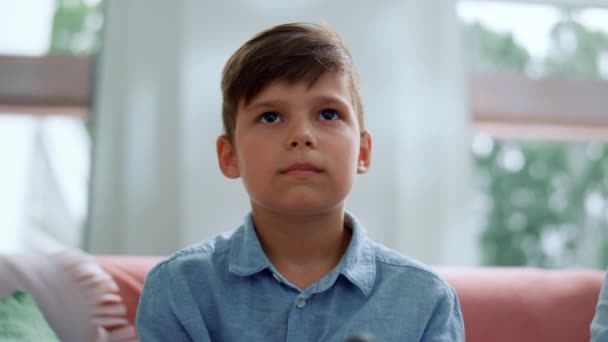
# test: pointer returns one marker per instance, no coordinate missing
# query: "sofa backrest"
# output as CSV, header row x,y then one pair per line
x,y
498,304
129,273
526,304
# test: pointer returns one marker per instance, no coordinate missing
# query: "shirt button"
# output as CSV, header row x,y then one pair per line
x,y
300,302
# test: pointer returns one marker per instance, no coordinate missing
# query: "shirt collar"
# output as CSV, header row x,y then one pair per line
x,y
357,265
247,256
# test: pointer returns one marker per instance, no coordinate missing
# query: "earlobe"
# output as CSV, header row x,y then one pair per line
x,y
365,152
226,157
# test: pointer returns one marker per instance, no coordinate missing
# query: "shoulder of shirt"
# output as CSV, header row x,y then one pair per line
x,y
400,262
203,250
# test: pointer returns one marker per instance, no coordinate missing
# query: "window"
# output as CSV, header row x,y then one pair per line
x,y
539,86
45,49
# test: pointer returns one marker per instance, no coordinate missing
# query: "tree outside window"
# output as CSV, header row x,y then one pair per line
x,y
546,202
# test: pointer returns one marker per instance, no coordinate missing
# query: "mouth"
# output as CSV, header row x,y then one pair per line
x,y
301,169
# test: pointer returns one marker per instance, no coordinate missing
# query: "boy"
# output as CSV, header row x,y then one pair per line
x,y
599,325
300,268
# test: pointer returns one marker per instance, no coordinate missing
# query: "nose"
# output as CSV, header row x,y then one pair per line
x,y
301,135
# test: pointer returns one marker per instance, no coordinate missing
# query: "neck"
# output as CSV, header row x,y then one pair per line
x,y
302,248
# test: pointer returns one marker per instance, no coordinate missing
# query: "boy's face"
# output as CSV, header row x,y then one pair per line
x,y
297,148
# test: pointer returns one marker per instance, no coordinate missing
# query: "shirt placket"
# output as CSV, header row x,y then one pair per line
x,y
299,318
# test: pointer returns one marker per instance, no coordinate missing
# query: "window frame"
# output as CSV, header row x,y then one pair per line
x,y
45,85
516,106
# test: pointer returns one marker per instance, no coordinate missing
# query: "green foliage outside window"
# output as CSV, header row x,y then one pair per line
x,y
76,27
493,51
577,51
77,31
547,202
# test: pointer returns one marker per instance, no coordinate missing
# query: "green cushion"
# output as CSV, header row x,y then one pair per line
x,y
22,320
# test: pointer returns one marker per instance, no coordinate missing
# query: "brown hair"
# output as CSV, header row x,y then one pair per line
x,y
291,52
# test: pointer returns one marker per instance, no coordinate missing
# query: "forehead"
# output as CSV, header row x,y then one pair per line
x,y
328,85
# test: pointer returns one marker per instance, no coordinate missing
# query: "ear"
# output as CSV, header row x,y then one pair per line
x,y
365,152
226,157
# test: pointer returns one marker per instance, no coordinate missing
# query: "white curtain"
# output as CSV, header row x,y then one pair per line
x,y
156,185
44,180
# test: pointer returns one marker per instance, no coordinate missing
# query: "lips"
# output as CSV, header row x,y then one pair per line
x,y
302,168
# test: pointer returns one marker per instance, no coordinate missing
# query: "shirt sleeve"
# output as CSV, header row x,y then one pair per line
x,y
446,322
158,318
599,325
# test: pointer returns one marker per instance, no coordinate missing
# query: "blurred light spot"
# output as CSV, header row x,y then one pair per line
x,y
566,38
602,63
483,144
93,21
594,204
553,243
594,151
82,42
513,160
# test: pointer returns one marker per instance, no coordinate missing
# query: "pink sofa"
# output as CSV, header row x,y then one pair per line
x,y
498,304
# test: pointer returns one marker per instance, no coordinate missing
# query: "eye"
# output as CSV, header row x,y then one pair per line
x,y
270,117
329,115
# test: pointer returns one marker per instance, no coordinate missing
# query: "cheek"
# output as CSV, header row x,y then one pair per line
x,y
346,154
254,157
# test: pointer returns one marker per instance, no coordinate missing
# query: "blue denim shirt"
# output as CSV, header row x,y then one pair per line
x,y
226,289
599,325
